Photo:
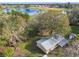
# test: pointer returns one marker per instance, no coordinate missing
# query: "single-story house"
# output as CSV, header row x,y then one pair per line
x,y
7,10
49,44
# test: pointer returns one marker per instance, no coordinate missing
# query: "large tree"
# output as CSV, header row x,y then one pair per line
x,y
49,23
74,17
14,24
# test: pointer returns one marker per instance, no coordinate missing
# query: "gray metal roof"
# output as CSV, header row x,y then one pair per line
x,y
42,40
51,43
48,44
63,42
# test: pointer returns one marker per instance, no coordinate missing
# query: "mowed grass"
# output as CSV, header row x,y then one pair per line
x,y
1,11
44,8
75,29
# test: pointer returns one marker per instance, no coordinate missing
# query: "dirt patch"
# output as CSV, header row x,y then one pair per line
x,y
72,51
18,52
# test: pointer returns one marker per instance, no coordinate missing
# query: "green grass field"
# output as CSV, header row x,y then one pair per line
x,y
1,11
75,29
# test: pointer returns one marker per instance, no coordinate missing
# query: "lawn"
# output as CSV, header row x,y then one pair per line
x,y
75,29
43,8
1,11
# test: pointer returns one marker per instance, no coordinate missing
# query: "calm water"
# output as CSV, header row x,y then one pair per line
x,y
28,11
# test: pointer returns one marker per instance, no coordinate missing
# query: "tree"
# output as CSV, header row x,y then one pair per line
x,y
14,24
74,17
1,27
50,23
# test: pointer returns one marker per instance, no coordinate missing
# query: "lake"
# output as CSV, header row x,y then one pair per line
x,y
31,12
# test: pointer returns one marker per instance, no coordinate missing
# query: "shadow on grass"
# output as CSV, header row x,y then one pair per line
x,y
35,51
1,55
75,29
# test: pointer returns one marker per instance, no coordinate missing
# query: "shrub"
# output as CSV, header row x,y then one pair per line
x,y
78,37
3,41
8,52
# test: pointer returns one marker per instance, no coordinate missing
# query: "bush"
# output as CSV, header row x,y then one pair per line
x,y
8,52
3,41
78,37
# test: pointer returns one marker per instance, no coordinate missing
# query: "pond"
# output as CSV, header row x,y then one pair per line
x,y
31,12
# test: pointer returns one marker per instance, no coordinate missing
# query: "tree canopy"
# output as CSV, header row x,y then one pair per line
x,y
12,24
50,23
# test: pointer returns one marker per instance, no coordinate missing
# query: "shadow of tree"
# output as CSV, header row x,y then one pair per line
x,y
34,49
1,55
75,29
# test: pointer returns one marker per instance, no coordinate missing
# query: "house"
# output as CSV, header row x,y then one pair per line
x,y
7,10
64,12
49,44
